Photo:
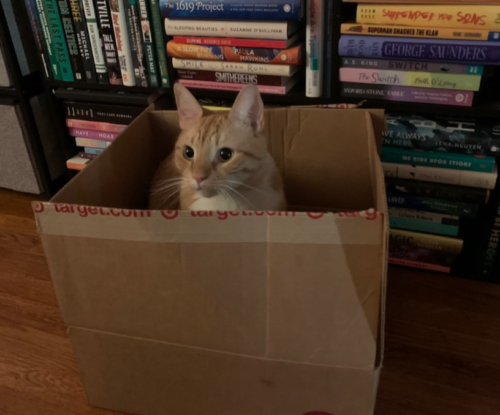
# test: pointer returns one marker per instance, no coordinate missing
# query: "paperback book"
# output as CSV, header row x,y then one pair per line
x,y
232,78
83,40
240,42
71,40
398,237
114,114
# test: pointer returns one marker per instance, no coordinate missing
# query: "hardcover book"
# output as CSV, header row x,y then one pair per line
x,y
83,40
232,78
114,114
72,41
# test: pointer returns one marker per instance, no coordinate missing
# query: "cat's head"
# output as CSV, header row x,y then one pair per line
x,y
220,150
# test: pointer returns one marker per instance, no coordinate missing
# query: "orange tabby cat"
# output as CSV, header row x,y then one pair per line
x,y
220,161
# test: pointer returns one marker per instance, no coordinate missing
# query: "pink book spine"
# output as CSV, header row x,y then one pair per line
x,y
242,43
420,265
94,125
264,89
97,135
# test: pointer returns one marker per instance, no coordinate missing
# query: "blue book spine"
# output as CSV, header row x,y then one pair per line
x,y
487,53
232,9
93,151
438,159
423,226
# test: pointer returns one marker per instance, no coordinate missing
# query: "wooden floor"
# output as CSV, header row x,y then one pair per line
x,y
442,349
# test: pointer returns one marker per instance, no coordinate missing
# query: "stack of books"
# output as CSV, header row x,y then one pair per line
x,y
439,174
423,53
94,127
226,45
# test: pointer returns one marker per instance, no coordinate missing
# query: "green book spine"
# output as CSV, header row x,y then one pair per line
x,y
58,40
54,65
149,48
160,42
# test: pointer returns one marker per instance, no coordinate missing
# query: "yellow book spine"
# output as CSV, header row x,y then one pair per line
x,y
418,32
440,16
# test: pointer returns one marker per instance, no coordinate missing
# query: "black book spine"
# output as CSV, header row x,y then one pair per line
x,y
136,45
490,253
102,113
39,37
108,39
83,41
328,48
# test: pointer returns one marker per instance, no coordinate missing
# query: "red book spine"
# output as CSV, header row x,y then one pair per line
x,y
420,265
94,125
276,90
242,43
231,78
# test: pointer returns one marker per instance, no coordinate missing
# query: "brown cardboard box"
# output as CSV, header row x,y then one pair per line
x,y
227,313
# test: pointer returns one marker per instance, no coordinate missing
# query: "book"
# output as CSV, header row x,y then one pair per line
x,y
107,34
426,204
413,66
95,41
418,215
123,47
264,89
230,29
58,40
422,255
93,125
71,40
399,237
87,156
408,78
232,78
439,175
438,133
240,42
423,226
135,39
37,30
419,32
89,142
114,114
451,16
148,43
398,187
90,150
233,9
159,42
94,134
314,48
328,45
455,2
77,163
438,159
238,67
460,51
291,56
83,40
49,42
407,94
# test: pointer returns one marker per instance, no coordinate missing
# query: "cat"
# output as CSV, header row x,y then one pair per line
x,y
220,161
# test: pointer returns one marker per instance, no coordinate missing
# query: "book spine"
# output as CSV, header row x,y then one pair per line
x,y
419,265
414,66
107,35
398,237
232,9
231,78
259,69
101,113
71,40
83,41
438,159
89,142
96,135
235,42
422,226
276,90
87,156
328,48
39,35
437,191
95,41
291,56
49,42
158,29
134,34
419,215
489,244
314,48
119,18
485,53
407,78
449,16
97,126
427,256
90,150
58,40
407,94
148,43
247,30
438,175
77,163
419,32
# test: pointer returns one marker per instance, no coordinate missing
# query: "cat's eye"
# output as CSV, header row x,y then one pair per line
x,y
225,154
188,152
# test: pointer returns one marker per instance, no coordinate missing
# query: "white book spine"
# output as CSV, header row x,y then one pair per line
x,y
122,42
314,48
95,38
219,28
235,67
440,175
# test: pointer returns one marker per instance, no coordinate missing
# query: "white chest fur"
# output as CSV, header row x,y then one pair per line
x,y
218,202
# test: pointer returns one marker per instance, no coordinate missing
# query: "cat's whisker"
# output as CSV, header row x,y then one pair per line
x,y
240,195
245,185
167,187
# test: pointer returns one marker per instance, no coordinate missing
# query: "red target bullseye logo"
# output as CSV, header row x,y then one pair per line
x,y
170,214
316,216
39,207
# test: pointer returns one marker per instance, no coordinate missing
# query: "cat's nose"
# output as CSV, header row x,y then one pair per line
x,y
199,179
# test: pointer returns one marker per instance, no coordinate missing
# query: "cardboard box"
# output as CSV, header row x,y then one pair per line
x,y
227,313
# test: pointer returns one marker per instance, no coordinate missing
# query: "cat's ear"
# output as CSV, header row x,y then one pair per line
x,y
249,108
187,107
